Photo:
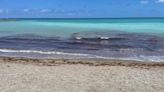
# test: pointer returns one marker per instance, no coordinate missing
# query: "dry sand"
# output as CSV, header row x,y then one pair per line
x,y
28,77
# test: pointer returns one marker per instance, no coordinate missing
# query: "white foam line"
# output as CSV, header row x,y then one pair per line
x,y
153,58
40,52
49,53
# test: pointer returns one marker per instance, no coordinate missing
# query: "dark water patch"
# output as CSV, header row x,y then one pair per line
x,y
117,35
112,44
121,39
8,19
28,37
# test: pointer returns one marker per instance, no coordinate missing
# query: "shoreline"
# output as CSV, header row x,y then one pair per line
x,y
18,77
83,75
90,62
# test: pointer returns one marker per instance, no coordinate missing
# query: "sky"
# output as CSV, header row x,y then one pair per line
x,y
81,8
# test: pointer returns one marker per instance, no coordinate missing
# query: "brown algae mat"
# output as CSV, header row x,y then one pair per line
x,y
91,62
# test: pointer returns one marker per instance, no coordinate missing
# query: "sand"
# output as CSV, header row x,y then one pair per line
x,y
32,77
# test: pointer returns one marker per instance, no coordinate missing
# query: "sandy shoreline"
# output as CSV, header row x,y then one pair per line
x,y
60,75
91,62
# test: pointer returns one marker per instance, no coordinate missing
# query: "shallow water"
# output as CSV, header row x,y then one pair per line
x,y
66,27
134,39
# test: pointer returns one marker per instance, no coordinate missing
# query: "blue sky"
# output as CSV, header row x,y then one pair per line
x,y
81,8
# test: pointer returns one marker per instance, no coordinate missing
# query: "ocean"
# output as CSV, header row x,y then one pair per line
x,y
139,39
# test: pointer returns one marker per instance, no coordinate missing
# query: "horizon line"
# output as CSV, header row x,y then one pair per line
x,y
77,17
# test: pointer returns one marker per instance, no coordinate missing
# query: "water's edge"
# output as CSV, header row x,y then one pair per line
x,y
124,39
99,45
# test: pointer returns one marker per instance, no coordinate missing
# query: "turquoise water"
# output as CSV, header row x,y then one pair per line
x,y
66,27
133,38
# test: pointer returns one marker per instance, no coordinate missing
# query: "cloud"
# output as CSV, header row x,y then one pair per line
x,y
45,10
26,10
160,1
4,11
144,2
147,1
1,10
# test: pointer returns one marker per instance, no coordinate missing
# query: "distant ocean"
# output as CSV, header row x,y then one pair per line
x,y
139,39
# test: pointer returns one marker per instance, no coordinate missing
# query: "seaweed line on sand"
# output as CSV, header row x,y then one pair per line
x,y
90,62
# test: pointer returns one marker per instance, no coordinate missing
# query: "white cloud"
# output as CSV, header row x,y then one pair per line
x,y
4,11
45,10
161,1
144,2
26,10
1,10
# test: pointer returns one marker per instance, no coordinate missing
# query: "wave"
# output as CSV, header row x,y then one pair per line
x,y
50,53
40,52
84,56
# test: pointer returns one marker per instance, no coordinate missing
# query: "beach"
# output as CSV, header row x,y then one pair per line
x,y
60,75
82,46
82,55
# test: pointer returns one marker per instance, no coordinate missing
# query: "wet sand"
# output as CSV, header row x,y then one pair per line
x,y
59,75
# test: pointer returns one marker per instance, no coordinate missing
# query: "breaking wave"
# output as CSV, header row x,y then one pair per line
x,y
40,52
50,53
